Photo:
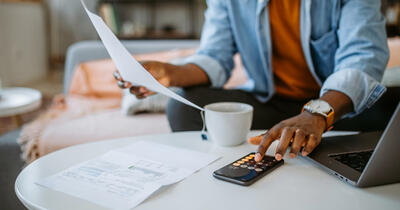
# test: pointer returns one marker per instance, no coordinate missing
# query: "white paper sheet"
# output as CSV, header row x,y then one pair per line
x,y
122,179
129,68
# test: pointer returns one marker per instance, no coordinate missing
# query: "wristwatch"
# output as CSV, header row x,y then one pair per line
x,y
322,108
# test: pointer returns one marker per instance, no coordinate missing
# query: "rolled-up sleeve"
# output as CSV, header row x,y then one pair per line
x,y
362,89
217,47
362,55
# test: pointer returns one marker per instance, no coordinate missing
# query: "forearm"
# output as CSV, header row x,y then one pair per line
x,y
187,75
340,103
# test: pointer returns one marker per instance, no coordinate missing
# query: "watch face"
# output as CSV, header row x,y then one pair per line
x,y
320,106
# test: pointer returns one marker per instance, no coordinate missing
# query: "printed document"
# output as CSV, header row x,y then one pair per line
x,y
123,178
129,68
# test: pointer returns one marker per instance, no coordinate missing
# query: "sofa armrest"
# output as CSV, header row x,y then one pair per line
x,y
95,50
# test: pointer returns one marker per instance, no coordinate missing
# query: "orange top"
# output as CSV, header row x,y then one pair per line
x,y
292,77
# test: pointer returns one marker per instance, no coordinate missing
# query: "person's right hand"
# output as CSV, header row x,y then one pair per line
x,y
158,70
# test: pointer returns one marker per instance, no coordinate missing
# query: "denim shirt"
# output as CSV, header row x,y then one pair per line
x,y
344,43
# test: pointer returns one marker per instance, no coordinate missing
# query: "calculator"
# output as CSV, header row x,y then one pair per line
x,y
245,171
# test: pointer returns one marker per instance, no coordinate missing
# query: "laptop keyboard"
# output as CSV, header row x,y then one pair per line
x,y
355,160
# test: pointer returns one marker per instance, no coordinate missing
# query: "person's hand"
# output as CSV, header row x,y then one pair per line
x,y
303,131
158,70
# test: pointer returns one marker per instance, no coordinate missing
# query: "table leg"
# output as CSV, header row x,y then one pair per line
x,y
17,119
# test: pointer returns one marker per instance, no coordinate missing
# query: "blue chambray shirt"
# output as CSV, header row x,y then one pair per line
x,y
344,43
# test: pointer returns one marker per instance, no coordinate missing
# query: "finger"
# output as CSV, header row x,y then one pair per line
x,y
143,90
139,90
140,96
121,84
268,138
117,75
312,142
127,84
135,90
149,93
286,137
256,139
298,142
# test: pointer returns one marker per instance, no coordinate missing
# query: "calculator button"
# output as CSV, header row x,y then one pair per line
x,y
260,163
248,158
258,169
250,167
243,166
236,164
245,160
252,156
240,162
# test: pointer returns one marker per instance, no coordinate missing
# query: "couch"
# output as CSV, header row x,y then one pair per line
x,y
95,127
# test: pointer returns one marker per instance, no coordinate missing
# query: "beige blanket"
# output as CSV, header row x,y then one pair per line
x,y
92,90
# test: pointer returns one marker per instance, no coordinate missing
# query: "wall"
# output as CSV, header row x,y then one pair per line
x,y
69,23
23,43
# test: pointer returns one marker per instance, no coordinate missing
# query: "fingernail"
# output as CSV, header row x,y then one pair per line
x,y
278,156
257,157
120,84
304,153
292,155
116,75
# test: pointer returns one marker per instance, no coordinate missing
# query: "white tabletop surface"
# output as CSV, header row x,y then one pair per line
x,y
296,185
14,101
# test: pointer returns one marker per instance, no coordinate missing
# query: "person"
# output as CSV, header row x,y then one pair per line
x,y
334,52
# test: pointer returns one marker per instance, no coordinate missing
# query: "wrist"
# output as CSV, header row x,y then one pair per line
x,y
186,75
317,119
171,71
322,108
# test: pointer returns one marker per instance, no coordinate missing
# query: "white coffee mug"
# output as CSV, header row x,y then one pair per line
x,y
228,123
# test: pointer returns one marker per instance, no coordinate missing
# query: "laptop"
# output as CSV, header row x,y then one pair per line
x,y
363,160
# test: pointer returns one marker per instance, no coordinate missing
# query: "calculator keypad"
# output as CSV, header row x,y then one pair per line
x,y
249,163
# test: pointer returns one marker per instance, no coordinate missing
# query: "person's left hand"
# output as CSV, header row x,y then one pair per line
x,y
304,130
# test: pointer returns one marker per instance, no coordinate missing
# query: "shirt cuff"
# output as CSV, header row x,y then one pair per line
x,y
362,89
212,67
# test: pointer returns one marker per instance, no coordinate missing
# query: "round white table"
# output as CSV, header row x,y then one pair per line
x,y
296,185
17,101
